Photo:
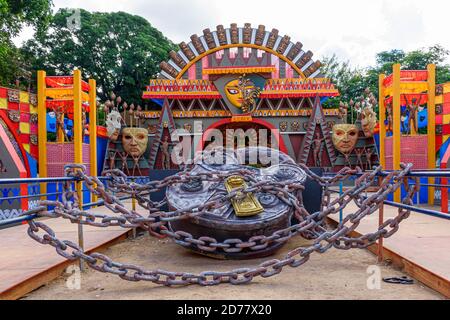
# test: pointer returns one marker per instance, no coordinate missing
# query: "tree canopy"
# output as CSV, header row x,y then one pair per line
x,y
351,82
121,51
14,15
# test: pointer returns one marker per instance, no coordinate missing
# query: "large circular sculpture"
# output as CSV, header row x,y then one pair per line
x,y
256,214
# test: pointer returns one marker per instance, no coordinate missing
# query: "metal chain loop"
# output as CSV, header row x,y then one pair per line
x,y
156,223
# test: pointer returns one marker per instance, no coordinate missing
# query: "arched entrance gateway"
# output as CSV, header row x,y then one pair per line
x,y
245,80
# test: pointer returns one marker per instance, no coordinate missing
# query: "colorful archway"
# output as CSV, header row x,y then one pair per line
x,y
234,37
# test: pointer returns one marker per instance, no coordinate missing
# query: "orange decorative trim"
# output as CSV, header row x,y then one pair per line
x,y
243,118
224,113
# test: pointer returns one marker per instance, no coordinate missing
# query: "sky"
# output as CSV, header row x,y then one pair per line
x,y
354,30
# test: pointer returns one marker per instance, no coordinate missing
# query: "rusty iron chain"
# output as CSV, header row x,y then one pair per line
x,y
157,221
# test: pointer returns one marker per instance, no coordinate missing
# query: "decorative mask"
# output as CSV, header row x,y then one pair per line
x,y
305,125
134,141
152,129
368,121
198,126
14,115
34,118
33,99
113,125
345,137
283,126
13,95
331,124
188,127
34,139
295,126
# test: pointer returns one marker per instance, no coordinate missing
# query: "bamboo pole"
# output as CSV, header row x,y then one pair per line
x,y
42,130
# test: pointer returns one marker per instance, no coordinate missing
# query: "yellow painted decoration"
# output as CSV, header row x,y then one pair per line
x,y
439,99
181,93
382,118
65,94
26,146
224,113
77,117
42,130
287,92
239,70
241,119
24,97
77,127
283,81
431,128
33,109
396,90
203,82
24,127
3,103
446,87
409,87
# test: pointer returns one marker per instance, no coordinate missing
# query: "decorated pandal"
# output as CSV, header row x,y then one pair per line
x,y
245,79
247,105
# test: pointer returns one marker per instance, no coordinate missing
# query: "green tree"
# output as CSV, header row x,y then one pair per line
x,y
14,15
352,82
413,60
349,81
121,51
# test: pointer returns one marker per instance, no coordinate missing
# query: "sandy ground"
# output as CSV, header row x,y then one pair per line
x,y
336,274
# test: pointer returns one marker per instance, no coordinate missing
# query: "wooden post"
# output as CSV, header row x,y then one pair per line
x,y
382,118
77,117
42,130
396,135
78,145
431,130
93,130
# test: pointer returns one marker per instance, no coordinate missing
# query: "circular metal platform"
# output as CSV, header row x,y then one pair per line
x,y
223,223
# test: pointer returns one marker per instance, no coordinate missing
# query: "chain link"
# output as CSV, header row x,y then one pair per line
x,y
156,223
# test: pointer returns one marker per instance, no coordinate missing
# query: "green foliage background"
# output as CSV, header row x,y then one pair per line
x,y
121,51
351,82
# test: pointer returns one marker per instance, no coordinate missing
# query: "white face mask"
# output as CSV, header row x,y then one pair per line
x,y
113,124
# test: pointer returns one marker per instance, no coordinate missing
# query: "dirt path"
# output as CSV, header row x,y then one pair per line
x,y
336,274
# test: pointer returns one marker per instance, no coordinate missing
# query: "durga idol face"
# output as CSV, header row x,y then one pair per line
x,y
234,93
345,137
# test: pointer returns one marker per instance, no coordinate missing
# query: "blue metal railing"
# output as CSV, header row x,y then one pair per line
x,y
23,219
412,174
